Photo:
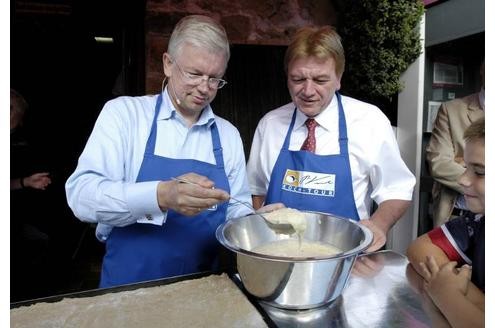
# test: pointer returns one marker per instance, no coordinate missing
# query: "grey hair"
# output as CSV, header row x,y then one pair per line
x,y
200,31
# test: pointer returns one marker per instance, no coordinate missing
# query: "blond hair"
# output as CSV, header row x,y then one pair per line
x,y
320,42
476,131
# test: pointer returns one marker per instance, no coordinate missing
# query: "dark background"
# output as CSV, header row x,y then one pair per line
x,y
66,77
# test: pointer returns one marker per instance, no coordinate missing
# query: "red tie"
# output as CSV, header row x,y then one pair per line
x,y
310,142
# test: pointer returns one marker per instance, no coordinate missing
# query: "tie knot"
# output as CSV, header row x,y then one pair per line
x,y
311,123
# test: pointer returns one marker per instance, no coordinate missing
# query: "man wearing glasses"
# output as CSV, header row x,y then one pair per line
x,y
153,225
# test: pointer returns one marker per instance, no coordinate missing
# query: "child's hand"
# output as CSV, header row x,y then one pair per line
x,y
444,280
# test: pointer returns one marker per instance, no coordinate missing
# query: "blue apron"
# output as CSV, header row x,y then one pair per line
x,y
182,245
306,181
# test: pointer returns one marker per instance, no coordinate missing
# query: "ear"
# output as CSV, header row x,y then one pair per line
x,y
167,64
337,84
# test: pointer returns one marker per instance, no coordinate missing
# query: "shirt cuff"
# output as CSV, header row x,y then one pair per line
x,y
103,231
143,203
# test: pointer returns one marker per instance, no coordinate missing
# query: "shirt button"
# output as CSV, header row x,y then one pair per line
x,y
149,217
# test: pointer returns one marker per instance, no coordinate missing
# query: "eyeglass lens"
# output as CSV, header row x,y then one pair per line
x,y
196,79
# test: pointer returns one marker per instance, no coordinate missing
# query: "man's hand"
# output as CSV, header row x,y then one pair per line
x,y
38,180
379,236
368,265
189,198
383,219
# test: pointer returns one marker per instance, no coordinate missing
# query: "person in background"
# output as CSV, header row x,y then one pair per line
x,y
445,151
153,225
40,180
35,181
451,258
326,152
29,237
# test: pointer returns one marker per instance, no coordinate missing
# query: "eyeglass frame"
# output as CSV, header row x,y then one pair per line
x,y
200,78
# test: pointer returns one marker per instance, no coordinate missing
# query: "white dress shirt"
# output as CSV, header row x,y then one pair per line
x,y
378,171
103,190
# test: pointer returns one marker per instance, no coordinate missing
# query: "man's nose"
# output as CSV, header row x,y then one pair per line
x,y
308,87
204,85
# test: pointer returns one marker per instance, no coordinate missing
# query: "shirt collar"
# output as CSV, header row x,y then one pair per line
x,y
479,217
168,111
323,119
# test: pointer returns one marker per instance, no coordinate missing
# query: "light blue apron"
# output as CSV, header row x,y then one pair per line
x,y
182,245
306,181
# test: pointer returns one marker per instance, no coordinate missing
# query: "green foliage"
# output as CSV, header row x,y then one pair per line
x,y
381,39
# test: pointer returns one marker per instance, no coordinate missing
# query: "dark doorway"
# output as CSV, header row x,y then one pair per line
x,y
66,76
256,84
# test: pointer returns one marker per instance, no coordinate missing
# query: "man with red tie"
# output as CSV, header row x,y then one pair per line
x,y
326,152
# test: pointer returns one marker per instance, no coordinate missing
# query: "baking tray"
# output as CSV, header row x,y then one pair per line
x,y
151,283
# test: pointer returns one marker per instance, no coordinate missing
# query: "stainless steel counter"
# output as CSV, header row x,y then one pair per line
x,y
378,295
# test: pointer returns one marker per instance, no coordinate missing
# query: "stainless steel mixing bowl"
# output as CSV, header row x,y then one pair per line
x,y
295,283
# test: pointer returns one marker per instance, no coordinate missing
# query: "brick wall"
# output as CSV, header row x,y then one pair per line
x,y
255,22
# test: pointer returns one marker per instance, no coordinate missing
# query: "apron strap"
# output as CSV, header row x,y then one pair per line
x,y
217,145
150,144
342,127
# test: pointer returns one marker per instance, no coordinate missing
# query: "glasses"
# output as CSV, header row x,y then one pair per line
x,y
197,79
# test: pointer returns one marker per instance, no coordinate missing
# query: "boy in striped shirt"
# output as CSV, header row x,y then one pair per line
x,y
451,258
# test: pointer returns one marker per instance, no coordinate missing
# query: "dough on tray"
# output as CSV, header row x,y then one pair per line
x,y
212,301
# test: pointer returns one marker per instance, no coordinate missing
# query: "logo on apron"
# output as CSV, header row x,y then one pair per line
x,y
311,183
